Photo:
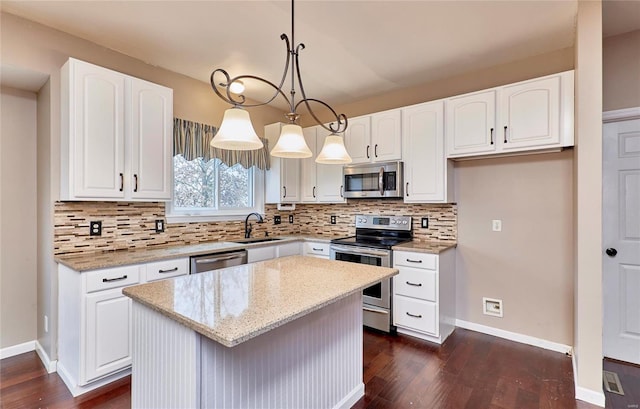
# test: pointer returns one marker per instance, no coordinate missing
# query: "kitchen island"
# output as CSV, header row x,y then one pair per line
x,y
280,333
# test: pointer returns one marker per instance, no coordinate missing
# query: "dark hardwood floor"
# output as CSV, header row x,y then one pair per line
x,y
471,370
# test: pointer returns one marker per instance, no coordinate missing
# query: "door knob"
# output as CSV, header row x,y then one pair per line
x,y
611,252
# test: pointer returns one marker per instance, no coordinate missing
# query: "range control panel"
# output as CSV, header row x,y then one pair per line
x,y
366,221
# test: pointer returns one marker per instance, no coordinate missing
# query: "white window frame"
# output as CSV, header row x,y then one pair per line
x,y
174,215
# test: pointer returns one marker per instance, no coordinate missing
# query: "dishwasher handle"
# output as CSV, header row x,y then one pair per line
x,y
214,259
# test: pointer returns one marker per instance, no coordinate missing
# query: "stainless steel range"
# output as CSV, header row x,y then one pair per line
x,y
375,236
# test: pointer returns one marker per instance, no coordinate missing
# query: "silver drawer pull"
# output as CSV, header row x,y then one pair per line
x,y
414,316
168,271
108,280
315,249
414,261
414,284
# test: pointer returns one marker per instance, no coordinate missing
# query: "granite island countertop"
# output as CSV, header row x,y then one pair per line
x,y
235,304
106,259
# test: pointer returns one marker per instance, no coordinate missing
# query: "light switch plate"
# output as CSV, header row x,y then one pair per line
x,y
159,226
290,218
424,223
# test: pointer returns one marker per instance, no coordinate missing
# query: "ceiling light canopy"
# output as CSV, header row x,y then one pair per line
x,y
237,133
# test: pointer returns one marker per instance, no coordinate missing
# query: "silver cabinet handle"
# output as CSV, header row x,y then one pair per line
x,y
168,270
414,261
341,190
413,315
108,280
315,249
414,284
381,181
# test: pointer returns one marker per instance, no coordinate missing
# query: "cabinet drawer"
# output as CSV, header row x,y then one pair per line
x,y
415,314
167,268
112,278
316,249
416,260
416,283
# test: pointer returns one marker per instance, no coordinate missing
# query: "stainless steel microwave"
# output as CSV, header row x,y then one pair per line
x,y
373,180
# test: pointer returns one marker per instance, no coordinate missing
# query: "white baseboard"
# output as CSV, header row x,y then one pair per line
x,y
514,336
50,366
584,394
351,399
77,390
17,349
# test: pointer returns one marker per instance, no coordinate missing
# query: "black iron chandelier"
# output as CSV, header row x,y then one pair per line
x,y
237,133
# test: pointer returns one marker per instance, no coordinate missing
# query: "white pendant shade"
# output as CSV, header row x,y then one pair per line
x,y
291,143
236,132
333,151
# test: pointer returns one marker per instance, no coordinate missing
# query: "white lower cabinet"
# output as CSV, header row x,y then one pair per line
x,y
424,294
255,254
94,321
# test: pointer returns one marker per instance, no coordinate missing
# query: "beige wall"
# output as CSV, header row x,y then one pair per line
x,y
588,191
621,71
529,264
18,184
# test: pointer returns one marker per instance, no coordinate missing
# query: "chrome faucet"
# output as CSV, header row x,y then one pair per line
x,y
247,225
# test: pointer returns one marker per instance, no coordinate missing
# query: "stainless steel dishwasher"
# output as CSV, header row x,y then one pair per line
x,y
208,262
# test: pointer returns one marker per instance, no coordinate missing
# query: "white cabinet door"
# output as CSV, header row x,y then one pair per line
x,y
108,333
308,175
282,181
530,114
386,136
96,134
151,132
357,139
261,253
290,180
428,174
471,124
288,249
329,182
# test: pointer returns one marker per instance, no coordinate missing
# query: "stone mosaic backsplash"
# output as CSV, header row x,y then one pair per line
x,y
131,225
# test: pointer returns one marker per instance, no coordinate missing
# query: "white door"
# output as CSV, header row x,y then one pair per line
x,y
290,180
425,166
530,114
471,124
328,177
621,240
98,127
108,336
386,135
308,187
151,130
357,139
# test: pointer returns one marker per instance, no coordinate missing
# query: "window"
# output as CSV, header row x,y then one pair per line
x,y
210,190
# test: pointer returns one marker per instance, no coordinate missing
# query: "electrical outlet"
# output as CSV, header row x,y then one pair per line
x,y
46,324
496,225
333,220
492,306
424,223
290,218
277,220
159,226
95,228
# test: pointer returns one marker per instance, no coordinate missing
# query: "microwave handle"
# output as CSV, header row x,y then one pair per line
x,y
381,181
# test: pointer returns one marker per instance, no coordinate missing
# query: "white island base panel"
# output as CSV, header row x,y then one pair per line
x,y
312,362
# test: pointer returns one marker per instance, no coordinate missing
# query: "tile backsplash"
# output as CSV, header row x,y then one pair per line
x,y
131,225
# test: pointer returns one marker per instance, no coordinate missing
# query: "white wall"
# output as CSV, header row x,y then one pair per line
x,y
18,246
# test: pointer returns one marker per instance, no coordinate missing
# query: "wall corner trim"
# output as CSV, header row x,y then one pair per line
x,y
621,114
584,394
514,336
18,349
50,366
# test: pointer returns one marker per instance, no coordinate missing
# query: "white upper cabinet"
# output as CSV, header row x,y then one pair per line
x,y
529,115
428,174
116,135
282,184
319,183
386,136
357,139
151,140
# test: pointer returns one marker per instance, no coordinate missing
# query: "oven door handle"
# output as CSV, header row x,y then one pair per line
x,y
357,251
375,310
381,181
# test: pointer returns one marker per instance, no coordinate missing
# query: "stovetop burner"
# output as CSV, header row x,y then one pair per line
x,y
379,232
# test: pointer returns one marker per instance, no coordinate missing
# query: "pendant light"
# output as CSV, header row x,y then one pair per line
x,y
291,144
333,151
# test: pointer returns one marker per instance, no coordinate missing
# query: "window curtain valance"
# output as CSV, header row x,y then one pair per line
x,y
192,140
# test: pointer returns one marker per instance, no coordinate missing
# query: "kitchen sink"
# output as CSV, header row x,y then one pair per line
x,y
256,240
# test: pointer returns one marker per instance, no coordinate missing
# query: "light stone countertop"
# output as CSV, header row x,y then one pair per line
x,y
106,259
235,304
431,247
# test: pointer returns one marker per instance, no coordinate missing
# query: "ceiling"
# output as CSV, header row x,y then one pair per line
x,y
354,49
